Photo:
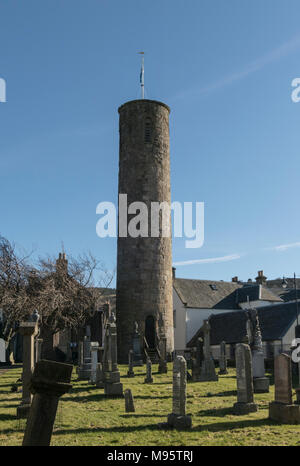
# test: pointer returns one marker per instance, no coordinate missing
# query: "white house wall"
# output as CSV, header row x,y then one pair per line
x,y
196,317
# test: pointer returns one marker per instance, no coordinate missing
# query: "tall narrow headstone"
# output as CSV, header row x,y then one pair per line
x,y
49,381
223,360
129,401
84,372
260,381
282,409
112,385
130,372
99,375
245,402
136,345
208,372
196,369
28,330
94,360
38,349
148,378
178,418
162,365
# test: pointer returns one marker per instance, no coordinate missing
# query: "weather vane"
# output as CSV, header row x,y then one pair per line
x,y
142,74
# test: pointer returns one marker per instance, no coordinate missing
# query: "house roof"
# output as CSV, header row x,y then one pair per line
x,y
231,326
211,294
256,292
206,294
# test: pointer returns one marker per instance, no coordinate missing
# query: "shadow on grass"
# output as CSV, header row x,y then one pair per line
x,y
7,417
221,412
140,415
227,393
119,429
10,399
231,425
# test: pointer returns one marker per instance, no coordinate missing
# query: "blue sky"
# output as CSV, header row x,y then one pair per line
x,y
224,68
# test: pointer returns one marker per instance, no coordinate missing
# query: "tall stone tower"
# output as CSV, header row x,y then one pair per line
x,y
144,264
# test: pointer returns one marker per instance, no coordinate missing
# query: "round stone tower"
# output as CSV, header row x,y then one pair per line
x,y
144,264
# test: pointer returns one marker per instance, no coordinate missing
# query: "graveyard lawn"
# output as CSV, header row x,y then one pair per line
x,y
86,417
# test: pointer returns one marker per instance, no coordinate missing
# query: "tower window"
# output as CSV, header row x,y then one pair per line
x,y
148,130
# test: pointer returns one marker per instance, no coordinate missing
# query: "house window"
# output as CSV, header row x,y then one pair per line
x,y
174,318
213,287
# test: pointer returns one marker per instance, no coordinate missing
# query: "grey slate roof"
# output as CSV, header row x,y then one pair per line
x,y
256,292
199,293
231,326
211,294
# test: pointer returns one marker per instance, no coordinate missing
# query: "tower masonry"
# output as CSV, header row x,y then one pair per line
x,y
144,264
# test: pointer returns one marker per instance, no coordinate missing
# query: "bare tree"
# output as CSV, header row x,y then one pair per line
x,y
65,293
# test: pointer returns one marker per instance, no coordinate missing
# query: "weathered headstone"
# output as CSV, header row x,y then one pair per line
x,y
162,365
136,345
223,359
130,372
112,385
49,381
196,369
178,418
282,409
84,372
260,381
129,401
2,350
38,349
94,360
208,372
28,330
99,375
148,378
245,402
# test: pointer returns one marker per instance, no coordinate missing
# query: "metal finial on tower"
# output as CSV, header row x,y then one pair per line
x,y
142,74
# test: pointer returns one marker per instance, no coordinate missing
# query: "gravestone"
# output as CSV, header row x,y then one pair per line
x,y
2,351
49,381
136,345
28,330
38,349
94,360
162,365
99,375
260,381
130,372
245,402
208,372
129,401
112,385
84,372
178,418
148,378
282,409
196,369
223,359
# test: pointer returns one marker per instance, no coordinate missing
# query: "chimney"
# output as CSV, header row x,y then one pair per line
x,y
62,263
234,279
174,272
260,279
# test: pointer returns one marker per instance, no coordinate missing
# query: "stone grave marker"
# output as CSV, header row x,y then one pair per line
x,y
148,378
178,418
130,372
282,409
245,402
28,330
129,401
49,381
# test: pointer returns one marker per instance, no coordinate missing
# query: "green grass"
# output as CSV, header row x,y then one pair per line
x,y
86,417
